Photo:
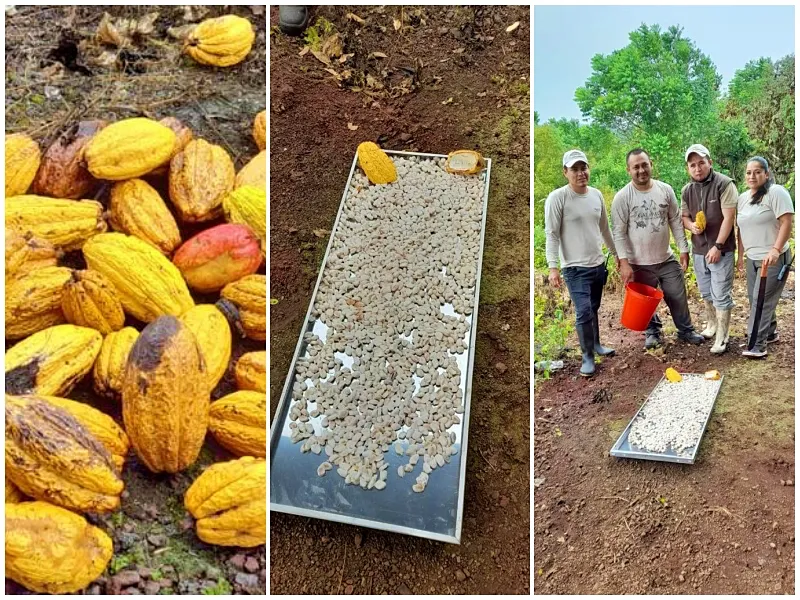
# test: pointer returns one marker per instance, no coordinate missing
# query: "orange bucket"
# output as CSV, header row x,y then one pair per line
x,y
639,305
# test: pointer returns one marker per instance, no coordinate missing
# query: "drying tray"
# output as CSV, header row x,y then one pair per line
x,y
295,487
623,449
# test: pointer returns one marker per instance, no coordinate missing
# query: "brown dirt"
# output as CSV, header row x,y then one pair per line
x,y
724,525
153,534
311,153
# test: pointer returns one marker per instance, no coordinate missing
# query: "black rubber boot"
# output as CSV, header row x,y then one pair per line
x,y
586,339
292,20
599,349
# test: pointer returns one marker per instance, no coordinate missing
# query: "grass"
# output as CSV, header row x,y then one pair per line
x,y
221,588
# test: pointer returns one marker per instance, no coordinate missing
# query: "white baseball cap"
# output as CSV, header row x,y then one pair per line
x,y
573,156
697,149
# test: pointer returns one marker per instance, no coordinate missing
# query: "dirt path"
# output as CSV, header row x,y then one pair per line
x,y
724,525
464,90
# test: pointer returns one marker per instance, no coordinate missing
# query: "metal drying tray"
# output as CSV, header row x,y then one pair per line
x,y
623,449
295,487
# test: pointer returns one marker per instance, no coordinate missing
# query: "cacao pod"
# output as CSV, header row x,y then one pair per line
x,y
129,148
63,173
183,135
260,130
375,163
229,501
33,302
109,368
249,298
24,255
251,371
137,209
89,300
248,205
22,161
52,550
13,495
66,224
148,285
217,256
199,178
51,361
51,456
238,422
254,172
213,335
165,396
221,42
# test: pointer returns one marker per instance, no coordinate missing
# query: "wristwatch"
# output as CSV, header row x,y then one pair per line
x,y
718,246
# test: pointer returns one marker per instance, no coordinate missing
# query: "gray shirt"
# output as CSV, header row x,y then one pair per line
x,y
758,223
576,227
641,222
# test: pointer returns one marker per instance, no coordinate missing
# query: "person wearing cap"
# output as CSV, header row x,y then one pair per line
x,y
765,226
642,215
576,225
714,245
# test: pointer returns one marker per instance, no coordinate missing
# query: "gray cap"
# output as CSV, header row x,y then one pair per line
x,y
697,149
573,156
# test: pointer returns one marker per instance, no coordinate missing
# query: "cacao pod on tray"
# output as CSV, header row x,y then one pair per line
x,y
165,396
138,210
229,501
129,148
109,368
199,178
63,173
89,300
248,297
66,224
254,172
33,302
213,335
22,161
238,421
24,255
51,456
52,550
221,42
51,361
251,371
248,205
375,163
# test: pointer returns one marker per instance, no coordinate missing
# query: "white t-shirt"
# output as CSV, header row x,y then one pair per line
x,y
758,224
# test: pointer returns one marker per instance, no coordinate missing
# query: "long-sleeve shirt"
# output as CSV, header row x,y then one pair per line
x,y
641,222
576,226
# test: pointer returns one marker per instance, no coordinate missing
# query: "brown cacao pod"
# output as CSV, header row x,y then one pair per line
x,y
221,42
109,368
213,335
129,148
89,300
33,302
137,209
238,421
217,256
26,254
22,161
254,172
66,224
63,173
248,296
251,371
199,178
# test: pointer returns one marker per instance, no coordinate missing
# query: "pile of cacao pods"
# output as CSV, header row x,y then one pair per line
x,y
130,322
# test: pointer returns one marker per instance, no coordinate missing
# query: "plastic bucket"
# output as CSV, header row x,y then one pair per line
x,y
639,305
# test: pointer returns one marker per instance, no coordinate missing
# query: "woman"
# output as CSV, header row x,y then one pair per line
x,y
765,224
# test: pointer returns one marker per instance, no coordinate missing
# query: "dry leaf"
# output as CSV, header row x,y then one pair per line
x,y
352,127
332,46
458,50
321,57
345,57
448,101
321,233
397,24
192,13
107,32
356,18
334,73
512,27
304,51
121,33
376,55
106,58
182,32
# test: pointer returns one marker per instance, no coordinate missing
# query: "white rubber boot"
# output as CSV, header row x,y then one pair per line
x,y
723,322
711,317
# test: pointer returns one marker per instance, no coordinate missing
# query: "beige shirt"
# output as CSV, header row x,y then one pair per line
x,y
758,224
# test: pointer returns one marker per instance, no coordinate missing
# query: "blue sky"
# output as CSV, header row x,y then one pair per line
x,y
567,37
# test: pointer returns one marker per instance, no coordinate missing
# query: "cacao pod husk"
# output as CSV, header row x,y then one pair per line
x,y
199,178
238,422
66,224
89,300
129,148
22,161
213,335
109,368
220,42
251,371
33,302
138,210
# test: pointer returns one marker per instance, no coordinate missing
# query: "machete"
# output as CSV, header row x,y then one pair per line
x,y
762,291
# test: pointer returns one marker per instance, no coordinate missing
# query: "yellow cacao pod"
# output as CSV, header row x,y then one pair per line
x,y
673,376
33,302
248,205
147,283
700,221
52,550
183,135
213,335
254,172
89,300
221,42
109,368
165,396
229,501
66,224
238,422
51,361
129,148
251,371
199,178
138,210
63,172
24,255
13,495
249,297
260,130
375,163
51,456
22,162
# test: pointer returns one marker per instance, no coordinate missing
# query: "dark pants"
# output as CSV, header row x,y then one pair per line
x,y
585,285
669,277
774,289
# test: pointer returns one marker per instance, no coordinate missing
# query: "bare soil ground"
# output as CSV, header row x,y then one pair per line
x,y
724,525
452,78
59,74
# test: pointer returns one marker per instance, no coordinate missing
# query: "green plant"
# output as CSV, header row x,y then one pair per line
x,y
221,588
552,325
314,36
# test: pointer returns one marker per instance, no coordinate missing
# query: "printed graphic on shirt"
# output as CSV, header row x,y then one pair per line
x,y
650,214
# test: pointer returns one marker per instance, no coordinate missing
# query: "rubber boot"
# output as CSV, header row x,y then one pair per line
x,y
599,349
586,339
292,20
711,317
723,322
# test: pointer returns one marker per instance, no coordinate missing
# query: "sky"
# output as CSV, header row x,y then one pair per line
x,y
567,37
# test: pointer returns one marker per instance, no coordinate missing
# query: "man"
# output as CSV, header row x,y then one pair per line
x,y
642,215
576,225
713,246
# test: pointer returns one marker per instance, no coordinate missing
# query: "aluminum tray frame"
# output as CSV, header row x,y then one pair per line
x,y
285,400
669,456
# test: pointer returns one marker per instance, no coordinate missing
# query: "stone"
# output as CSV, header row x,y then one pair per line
x,y
125,579
501,367
247,581
358,540
460,575
237,560
157,540
151,588
251,564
